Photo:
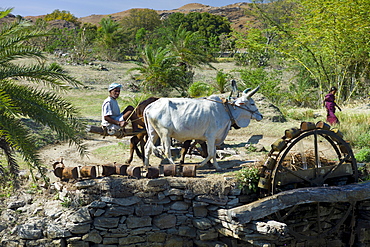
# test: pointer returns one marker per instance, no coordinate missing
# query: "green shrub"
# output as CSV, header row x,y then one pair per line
x,y
221,81
200,89
269,82
363,155
248,178
363,140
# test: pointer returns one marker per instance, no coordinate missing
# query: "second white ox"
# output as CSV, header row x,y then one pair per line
x,y
196,119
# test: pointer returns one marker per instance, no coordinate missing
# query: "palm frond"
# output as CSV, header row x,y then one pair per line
x,y
38,73
49,109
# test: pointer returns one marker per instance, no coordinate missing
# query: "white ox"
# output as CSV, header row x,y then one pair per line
x,y
196,119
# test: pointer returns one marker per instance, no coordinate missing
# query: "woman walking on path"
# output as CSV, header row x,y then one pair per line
x,y
329,103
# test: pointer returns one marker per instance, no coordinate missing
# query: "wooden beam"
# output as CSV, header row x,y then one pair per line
x,y
269,205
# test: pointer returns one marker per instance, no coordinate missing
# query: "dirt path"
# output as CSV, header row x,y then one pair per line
x,y
233,156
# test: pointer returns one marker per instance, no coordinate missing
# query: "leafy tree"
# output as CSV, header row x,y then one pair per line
x,y
261,37
330,40
30,100
141,18
255,45
269,82
154,70
108,37
161,72
187,47
85,39
209,26
61,15
336,35
165,69
137,29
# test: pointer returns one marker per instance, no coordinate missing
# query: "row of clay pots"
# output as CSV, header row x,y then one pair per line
x,y
124,170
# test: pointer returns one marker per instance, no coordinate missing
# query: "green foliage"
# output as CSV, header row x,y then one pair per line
x,y
302,95
147,19
363,140
165,69
200,89
254,44
25,100
137,29
155,70
107,38
61,15
364,174
363,155
248,178
207,25
356,128
7,185
187,47
222,80
330,40
269,82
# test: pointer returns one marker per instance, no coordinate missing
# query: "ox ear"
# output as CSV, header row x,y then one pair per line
x,y
250,93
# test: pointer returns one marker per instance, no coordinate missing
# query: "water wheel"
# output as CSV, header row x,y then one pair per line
x,y
313,155
310,156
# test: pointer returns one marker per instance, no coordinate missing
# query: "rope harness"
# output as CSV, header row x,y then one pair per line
x,y
227,109
227,105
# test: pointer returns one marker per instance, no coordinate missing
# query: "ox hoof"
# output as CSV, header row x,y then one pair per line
x,y
219,169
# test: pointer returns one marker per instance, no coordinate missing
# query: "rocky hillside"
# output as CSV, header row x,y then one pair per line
x,y
235,13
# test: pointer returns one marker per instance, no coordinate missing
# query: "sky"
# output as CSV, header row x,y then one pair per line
x,y
82,8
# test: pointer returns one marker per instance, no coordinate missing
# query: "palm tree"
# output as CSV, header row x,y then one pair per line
x,y
188,47
154,69
107,30
30,100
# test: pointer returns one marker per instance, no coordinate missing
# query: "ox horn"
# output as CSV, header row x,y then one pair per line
x,y
251,93
247,90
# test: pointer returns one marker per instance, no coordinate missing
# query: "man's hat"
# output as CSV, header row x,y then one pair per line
x,y
113,86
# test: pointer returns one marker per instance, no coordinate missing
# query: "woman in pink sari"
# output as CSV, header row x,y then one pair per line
x,y
330,105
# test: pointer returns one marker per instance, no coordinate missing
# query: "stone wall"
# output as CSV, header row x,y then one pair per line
x,y
112,212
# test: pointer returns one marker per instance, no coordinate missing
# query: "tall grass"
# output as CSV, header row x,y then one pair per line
x,y
355,128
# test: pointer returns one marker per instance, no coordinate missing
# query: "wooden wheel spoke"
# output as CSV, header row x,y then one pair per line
x,y
334,168
296,174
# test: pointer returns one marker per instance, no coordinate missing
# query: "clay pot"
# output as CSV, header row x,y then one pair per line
x,y
121,169
88,172
153,172
169,170
108,170
134,171
189,170
70,173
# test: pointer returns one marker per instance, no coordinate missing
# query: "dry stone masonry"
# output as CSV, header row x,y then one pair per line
x,y
114,211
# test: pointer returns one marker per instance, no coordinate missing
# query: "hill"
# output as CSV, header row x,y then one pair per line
x,y
235,13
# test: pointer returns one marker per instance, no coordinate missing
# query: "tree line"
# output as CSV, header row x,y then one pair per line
x,y
322,43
